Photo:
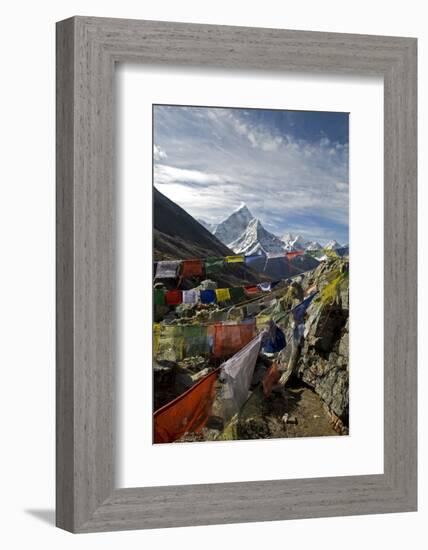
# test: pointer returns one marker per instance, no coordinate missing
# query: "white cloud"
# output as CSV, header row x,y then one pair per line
x,y
164,174
230,158
158,153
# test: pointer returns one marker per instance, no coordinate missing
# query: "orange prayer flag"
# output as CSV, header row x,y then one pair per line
x,y
270,379
187,413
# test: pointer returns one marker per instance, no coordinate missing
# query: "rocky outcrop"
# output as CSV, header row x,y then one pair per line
x,y
323,362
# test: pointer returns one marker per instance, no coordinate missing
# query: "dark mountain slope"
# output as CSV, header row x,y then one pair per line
x,y
177,235
171,220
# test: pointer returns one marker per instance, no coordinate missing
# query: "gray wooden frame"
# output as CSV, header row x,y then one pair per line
x,y
87,50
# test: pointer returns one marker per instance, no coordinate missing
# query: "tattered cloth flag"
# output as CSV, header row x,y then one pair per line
x,y
266,287
270,379
207,296
187,413
190,296
237,294
213,264
196,340
299,311
174,297
169,342
158,297
167,269
236,375
252,289
192,268
228,338
222,294
235,259
274,339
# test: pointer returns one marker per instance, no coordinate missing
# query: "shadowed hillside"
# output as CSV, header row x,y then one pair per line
x,y
177,235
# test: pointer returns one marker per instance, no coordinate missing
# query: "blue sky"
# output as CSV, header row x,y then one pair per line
x,y
289,167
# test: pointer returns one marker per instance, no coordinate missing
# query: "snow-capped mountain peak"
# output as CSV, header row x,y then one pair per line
x,y
292,242
243,208
256,239
313,245
234,225
332,245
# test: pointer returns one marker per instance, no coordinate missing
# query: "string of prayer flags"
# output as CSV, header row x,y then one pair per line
x,y
270,379
167,269
236,375
222,294
235,259
213,264
207,296
192,268
171,269
187,413
174,297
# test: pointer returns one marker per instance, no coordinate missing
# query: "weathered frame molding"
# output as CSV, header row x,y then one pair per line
x,y
87,50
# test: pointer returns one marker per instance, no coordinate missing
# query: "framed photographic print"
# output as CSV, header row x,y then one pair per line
x,y
236,274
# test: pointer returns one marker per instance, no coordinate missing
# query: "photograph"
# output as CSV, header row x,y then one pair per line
x,y
250,273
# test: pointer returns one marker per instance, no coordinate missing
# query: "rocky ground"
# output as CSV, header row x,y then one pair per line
x,y
312,397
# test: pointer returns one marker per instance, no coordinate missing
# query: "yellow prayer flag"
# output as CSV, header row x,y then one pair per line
x,y
235,259
261,320
222,294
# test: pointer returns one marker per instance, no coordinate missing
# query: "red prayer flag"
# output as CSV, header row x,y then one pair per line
x,y
252,289
192,268
187,413
270,379
174,297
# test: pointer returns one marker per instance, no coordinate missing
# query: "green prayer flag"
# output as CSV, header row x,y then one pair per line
x,y
237,294
213,264
158,297
195,340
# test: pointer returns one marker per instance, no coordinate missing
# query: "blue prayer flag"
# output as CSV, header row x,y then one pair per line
x,y
299,311
207,296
